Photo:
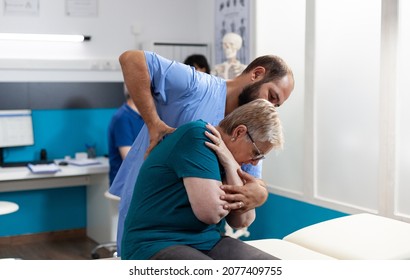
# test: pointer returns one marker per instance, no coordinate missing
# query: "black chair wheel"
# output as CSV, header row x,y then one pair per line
x,y
95,256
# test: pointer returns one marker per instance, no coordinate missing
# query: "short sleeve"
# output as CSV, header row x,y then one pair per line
x,y
123,133
192,158
168,77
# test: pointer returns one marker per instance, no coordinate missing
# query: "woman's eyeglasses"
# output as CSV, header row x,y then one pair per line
x,y
259,155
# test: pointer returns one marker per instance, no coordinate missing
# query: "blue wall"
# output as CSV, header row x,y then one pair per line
x,y
61,132
44,211
65,132
280,216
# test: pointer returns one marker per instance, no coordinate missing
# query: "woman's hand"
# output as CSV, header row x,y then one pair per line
x,y
218,146
244,198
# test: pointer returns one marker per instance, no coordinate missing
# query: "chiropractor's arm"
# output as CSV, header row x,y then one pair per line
x,y
137,80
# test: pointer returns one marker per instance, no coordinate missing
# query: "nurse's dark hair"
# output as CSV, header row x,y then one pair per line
x,y
198,59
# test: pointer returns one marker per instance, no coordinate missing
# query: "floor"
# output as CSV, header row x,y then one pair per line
x,y
77,247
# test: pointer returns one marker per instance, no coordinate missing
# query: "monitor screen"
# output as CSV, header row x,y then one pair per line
x,y
16,128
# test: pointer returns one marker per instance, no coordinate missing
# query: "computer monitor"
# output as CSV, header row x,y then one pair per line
x,y
16,128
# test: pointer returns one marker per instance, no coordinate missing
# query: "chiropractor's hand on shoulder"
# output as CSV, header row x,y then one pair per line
x,y
252,194
157,131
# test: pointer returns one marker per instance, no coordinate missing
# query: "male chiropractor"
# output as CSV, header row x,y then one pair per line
x,y
168,94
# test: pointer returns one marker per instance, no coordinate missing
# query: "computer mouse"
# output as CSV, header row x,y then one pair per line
x,y
63,163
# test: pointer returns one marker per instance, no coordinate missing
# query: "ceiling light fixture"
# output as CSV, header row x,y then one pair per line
x,y
44,37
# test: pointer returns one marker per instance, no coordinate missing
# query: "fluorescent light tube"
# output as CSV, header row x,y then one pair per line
x,y
44,37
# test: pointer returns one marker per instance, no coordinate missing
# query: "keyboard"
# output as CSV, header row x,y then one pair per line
x,y
25,163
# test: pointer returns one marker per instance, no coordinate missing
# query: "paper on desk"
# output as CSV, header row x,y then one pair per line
x,y
43,168
84,162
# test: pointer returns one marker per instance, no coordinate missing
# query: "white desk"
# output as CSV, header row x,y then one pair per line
x,y
102,213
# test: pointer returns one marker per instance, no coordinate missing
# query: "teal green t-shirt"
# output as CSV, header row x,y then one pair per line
x,y
160,214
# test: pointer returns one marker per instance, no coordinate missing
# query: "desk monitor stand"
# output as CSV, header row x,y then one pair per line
x,y
1,157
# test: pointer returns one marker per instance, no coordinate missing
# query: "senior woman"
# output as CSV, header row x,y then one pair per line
x,y
176,212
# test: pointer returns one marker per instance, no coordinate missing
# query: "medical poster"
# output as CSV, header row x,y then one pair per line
x,y
232,16
81,8
21,7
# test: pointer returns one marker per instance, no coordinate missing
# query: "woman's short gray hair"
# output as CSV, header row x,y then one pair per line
x,y
261,119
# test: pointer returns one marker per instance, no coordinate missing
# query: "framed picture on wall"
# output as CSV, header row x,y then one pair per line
x,y
81,8
232,16
21,7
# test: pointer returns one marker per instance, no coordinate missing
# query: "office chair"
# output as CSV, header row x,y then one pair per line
x,y
111,246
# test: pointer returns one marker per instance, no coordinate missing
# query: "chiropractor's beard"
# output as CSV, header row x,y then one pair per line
x,y
249,93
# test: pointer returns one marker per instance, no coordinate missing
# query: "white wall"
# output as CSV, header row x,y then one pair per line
x,y
346,132
280,30
402,154
120,25
346,94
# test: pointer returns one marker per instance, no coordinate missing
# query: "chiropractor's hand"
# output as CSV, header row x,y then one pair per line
x,y
244,198
157,132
